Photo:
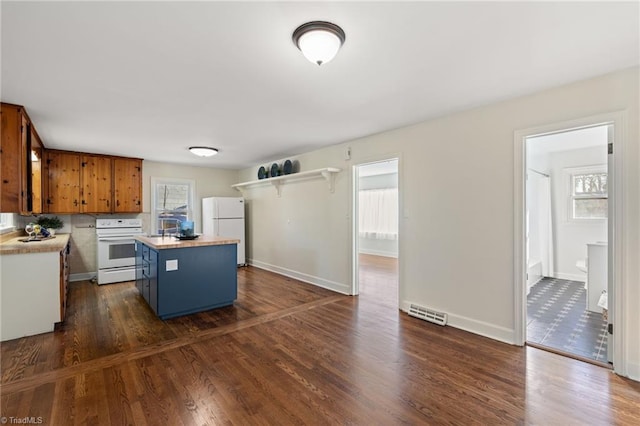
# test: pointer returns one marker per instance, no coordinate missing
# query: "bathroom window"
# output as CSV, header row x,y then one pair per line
x,y
589,197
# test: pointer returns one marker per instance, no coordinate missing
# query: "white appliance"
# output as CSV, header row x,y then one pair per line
x,y
116,249
224,217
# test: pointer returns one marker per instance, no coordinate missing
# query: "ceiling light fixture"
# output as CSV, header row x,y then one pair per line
x,y
203,151
319,41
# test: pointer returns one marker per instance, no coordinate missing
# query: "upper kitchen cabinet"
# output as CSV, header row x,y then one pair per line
x,y
92,183
127,185
96,178
62,182
18,185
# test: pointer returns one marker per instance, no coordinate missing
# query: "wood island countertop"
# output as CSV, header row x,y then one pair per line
x,y
15,246
169,242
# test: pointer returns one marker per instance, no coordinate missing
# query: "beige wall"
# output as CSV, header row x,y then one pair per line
x,y
457,202
209,183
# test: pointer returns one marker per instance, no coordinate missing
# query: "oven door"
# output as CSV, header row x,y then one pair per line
x,y
116,252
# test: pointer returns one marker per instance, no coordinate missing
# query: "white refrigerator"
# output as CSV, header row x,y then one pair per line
x,y
224,217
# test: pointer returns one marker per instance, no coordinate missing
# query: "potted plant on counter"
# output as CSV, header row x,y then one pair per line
x,y
51,223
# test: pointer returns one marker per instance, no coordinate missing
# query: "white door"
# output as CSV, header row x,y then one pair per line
x,y
611,239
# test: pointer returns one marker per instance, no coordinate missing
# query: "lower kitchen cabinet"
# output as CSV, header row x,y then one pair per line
x,y
182,281
34,285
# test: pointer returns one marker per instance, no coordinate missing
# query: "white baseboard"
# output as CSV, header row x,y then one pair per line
x,y
379,253
481,328
301,276
633,371
571,277
85,276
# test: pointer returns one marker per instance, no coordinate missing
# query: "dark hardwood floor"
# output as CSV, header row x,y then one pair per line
x,y
378,278
291,353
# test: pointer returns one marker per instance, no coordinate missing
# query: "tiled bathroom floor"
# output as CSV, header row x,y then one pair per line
x,y
557,318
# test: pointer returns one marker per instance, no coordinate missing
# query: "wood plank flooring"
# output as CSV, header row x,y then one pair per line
x,y
378,278
291,353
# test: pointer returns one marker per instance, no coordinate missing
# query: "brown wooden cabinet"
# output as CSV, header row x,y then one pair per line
x,y
64,281
92,183
127,173
36,160
14,167
62,186
96,178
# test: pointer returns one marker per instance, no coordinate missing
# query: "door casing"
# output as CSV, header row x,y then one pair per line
x,y
616,226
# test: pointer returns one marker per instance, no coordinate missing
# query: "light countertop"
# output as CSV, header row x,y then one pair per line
x,y
13,245
169,242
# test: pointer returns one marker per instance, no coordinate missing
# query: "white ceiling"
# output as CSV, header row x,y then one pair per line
x,y
151,79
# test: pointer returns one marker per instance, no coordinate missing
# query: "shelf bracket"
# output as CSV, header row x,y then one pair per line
x,y
330,178
278,185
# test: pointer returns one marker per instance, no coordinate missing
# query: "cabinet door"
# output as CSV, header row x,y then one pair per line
x,y
139,275
64,281
36,172
153,281
127,185
25,165
63,182
11,160
96,184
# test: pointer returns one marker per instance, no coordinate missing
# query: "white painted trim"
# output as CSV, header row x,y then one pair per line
x,y
633,371
355,235
619,120
570,277
301,276
85,276
153,223
471,325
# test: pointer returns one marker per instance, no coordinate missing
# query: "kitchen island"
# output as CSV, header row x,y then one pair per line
x,y
178,277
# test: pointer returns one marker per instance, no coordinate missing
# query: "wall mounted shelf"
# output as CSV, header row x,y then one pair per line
x,y
328,173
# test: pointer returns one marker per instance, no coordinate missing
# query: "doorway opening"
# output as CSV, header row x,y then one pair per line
x,y
568,215
376,231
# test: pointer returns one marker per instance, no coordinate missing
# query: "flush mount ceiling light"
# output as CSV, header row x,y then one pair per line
x,y
319,41
203,151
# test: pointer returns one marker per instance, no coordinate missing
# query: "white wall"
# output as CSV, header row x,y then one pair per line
x,y
375,246
209,183
571,237
457,199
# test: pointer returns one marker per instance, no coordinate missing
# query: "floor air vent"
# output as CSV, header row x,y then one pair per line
x,y
426,314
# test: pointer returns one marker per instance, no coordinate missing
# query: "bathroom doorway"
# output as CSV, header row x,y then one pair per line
x,y
376,231
567,234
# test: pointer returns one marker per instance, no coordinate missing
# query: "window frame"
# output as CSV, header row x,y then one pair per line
x,y
7,223
570,173
155,181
